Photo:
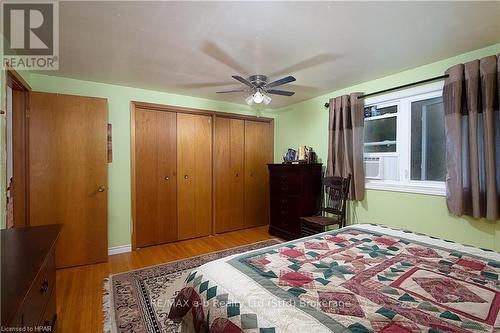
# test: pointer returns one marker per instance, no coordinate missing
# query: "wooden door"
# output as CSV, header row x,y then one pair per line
x,y
258,153
229,161
68,174
194,180
19,184
155,166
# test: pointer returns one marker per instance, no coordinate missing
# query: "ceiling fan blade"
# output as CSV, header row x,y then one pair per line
x,y
231,91
280,92
279,82
243,80
307,63
204,85
214,51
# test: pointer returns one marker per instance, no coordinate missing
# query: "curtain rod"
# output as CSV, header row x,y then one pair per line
x,y
399,87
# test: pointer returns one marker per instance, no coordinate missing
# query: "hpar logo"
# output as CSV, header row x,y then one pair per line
x,y
31,35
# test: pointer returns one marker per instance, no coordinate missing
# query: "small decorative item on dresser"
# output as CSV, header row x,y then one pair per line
x,y
290,156
337,190
310,155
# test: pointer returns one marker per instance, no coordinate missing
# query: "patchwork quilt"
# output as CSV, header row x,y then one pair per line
x,y
363,278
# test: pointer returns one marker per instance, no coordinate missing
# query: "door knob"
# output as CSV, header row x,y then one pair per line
x,y
237,174
101,189
186,176
167,177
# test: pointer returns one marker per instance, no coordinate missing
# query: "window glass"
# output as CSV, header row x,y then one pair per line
x,y
380,135
373,111
428,140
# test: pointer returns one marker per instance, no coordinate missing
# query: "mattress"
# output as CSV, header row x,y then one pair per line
x,y
362,278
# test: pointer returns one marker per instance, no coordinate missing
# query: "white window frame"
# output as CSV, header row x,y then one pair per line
x,y
403,99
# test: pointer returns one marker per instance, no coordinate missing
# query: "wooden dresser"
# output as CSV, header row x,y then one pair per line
x,y
29,278
295,191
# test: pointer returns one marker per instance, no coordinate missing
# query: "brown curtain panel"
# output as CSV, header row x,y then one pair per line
x,y
471,98
345,142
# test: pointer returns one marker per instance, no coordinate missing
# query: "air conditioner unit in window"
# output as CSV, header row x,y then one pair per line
x,y
373,167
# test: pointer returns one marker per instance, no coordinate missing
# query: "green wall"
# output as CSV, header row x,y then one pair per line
x,y
119,97
306,123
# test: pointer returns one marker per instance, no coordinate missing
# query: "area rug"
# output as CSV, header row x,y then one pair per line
x,y
139,300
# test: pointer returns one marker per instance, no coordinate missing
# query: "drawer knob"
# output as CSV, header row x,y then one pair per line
x,y
44,287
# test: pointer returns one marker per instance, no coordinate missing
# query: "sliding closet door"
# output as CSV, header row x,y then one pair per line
x,y
68,174
155,177
194,180
229,138
258,153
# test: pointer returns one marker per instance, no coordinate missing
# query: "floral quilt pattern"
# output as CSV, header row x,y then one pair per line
x,y
354,279
370,282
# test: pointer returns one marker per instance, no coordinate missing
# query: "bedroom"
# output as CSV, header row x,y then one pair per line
x,y
118,152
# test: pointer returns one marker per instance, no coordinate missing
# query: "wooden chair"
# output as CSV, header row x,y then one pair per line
x,y
337,190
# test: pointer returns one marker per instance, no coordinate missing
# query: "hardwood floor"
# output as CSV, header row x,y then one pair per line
x,y
79,289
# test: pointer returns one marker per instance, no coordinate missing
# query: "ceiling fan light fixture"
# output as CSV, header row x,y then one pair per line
x,y
249,100
261,88
258,97
267,99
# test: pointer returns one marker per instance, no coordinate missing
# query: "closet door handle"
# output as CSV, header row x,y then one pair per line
x,y
101,189
167,178
186,176
237,174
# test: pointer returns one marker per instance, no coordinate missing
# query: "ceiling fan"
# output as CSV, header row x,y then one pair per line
x,y
260,88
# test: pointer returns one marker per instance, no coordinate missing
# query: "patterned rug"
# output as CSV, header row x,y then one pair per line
x,y
139,301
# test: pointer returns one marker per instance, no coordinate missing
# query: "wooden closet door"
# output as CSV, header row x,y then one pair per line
x,y
194,180
258,153
68,174
229,160
155,177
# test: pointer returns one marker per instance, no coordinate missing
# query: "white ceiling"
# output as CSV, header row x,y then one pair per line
x,y
193,48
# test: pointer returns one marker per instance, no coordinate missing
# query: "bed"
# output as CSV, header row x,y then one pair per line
x,y
362,278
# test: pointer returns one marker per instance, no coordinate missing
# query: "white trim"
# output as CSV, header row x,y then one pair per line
x,y
426,188
119,249
387,99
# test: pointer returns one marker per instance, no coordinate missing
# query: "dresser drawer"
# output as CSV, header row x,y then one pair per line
x,y
40,292
286,182
285,213
285,189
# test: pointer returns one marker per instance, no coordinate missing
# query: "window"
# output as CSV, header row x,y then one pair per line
x,y
404,141
427,140
380,129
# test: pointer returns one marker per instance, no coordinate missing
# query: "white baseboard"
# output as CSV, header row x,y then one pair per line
x,y
119,249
